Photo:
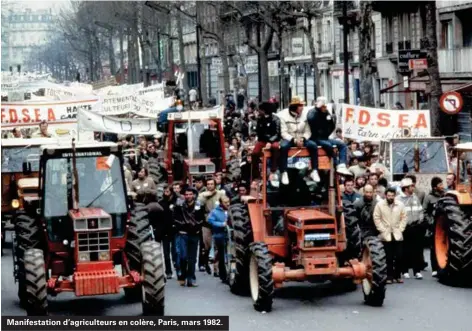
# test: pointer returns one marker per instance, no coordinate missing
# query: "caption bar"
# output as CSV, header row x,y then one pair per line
x,y
52,323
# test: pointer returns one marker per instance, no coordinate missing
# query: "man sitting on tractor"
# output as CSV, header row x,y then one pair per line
x,y
295,131
322,124
268,136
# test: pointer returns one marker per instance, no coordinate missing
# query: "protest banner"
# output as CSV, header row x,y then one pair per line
x,y
91,121
147,107
116,104
157,90
22,114
374,124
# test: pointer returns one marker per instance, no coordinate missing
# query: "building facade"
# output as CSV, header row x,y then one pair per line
x,y
23,30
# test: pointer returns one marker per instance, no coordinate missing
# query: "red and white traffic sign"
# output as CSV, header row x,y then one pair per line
x,y
418,64
451,103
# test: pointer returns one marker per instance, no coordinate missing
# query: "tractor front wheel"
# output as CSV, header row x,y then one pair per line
x,y
375,260
152,273
238,264
36,289
260,277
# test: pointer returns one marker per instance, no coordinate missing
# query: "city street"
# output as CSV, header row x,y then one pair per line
x,y
415,305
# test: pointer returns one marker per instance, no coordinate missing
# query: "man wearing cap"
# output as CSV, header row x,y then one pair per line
x,y
295,132
360,168
414,232
322,124
268,136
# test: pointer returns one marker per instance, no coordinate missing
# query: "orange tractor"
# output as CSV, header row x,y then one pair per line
x,y
452,230
84,235
301,232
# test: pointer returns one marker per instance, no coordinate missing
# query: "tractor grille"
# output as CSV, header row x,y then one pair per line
x,y
93,242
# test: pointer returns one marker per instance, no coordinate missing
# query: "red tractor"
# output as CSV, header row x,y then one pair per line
x,y
301,232
203,129
84,235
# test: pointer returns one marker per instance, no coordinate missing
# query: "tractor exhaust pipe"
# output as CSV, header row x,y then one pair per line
x,y
75,179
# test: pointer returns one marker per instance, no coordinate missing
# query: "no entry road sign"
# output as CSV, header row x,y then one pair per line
x,y
451,103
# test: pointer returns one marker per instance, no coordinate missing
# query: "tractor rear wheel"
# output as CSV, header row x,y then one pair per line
x,y
353,233
152,273
260,277
36,289
238,266
452,242
139,232
375,260
27,235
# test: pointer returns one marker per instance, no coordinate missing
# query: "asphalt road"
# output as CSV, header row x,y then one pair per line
x,y
415,305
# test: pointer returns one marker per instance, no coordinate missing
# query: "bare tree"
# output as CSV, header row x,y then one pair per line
x,y
431,43
367,54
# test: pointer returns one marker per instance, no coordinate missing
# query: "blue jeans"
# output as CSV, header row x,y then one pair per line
x,y
327,145
187,247
285,146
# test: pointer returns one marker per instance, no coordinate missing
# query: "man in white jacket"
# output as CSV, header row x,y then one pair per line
x,y
296,132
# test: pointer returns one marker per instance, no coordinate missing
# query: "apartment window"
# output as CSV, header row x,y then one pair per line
x,y
319,32
405,27
389,27
447,37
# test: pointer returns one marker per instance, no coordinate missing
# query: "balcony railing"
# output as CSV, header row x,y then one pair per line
x,y
455,60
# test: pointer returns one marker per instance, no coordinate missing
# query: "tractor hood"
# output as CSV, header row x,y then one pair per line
x,y
307,214
200,166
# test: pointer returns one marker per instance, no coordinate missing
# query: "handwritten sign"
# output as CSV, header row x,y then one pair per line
x,y
373,124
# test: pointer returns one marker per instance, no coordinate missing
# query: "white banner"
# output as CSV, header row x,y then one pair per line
x,y
148,107
374,124
62,130
157,90
90,121
116,104
19,114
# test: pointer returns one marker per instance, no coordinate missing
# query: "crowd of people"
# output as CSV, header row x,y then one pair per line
x,y
196,216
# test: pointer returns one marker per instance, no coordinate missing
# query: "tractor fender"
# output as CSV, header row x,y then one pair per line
x,y
461,196
257,220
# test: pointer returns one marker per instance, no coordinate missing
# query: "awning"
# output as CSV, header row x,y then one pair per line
x,y
466,88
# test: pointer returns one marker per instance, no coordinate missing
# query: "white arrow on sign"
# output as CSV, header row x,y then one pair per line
x,y
451,102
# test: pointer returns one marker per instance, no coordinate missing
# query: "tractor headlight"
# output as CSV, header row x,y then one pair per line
x,y
103,256
84,257
15,203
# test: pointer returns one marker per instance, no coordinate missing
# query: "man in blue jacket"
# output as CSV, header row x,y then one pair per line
x,y
322,124
217,219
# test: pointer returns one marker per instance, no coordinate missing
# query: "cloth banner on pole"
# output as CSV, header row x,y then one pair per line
x,y
19,114
90,121
374,124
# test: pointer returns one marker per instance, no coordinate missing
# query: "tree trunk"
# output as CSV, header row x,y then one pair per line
x,y
183,69
225,66
367,55
314,60
203,71
265,75
111,53
130,55
122,58
283,96
437,116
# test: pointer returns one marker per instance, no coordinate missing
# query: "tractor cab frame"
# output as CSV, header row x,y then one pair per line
x,y
203,129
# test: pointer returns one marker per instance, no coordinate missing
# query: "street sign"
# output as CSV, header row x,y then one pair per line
x,y
418,64
451,103
405,55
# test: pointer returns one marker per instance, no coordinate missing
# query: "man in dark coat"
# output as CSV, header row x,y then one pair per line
x,y
168,201
268,136
322,124
365,212
188,216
